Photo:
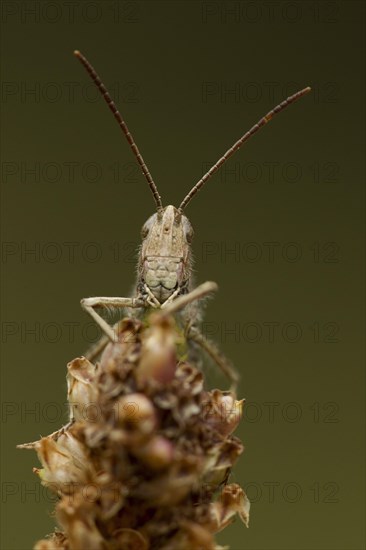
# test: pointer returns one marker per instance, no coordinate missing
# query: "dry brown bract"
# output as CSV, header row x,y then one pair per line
x,y
145,461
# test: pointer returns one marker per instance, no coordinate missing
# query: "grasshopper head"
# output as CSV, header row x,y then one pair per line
x,y
165,253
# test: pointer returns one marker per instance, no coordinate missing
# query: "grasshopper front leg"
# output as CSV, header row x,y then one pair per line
x,y
211,349
168,308
88,304
196,335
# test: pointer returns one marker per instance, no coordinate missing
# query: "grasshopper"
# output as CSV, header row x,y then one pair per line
x,y
164,278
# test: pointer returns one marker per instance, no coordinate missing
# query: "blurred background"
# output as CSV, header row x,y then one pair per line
x,y
279,227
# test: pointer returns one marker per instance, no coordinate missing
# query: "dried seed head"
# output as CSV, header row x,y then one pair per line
x,y
158,360
130,539
223,411
157,454
79,523
232,501
190,377
64,462
136,414
82,391
55,541
192,536
147,471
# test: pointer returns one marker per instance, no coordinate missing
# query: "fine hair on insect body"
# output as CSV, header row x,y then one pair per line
x,y
164,262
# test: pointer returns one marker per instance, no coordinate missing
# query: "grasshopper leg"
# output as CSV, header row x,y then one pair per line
x,y
211,349
88,304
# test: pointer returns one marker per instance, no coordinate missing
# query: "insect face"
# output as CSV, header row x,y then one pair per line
x,y
165,257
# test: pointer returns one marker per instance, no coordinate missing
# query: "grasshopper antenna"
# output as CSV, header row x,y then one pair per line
x,y
103,90
240,142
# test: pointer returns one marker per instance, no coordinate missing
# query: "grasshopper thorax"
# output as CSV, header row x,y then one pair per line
x,y
165,253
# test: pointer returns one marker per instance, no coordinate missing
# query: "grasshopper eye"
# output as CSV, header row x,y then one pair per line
x,y
189,235
144,231
147,226
188,230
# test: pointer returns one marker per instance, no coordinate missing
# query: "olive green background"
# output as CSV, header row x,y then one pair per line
x,y
303,464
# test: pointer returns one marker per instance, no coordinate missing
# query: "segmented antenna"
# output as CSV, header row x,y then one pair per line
x,y
240,142
103,90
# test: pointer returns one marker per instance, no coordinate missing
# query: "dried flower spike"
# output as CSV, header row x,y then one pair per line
x,y
148,469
